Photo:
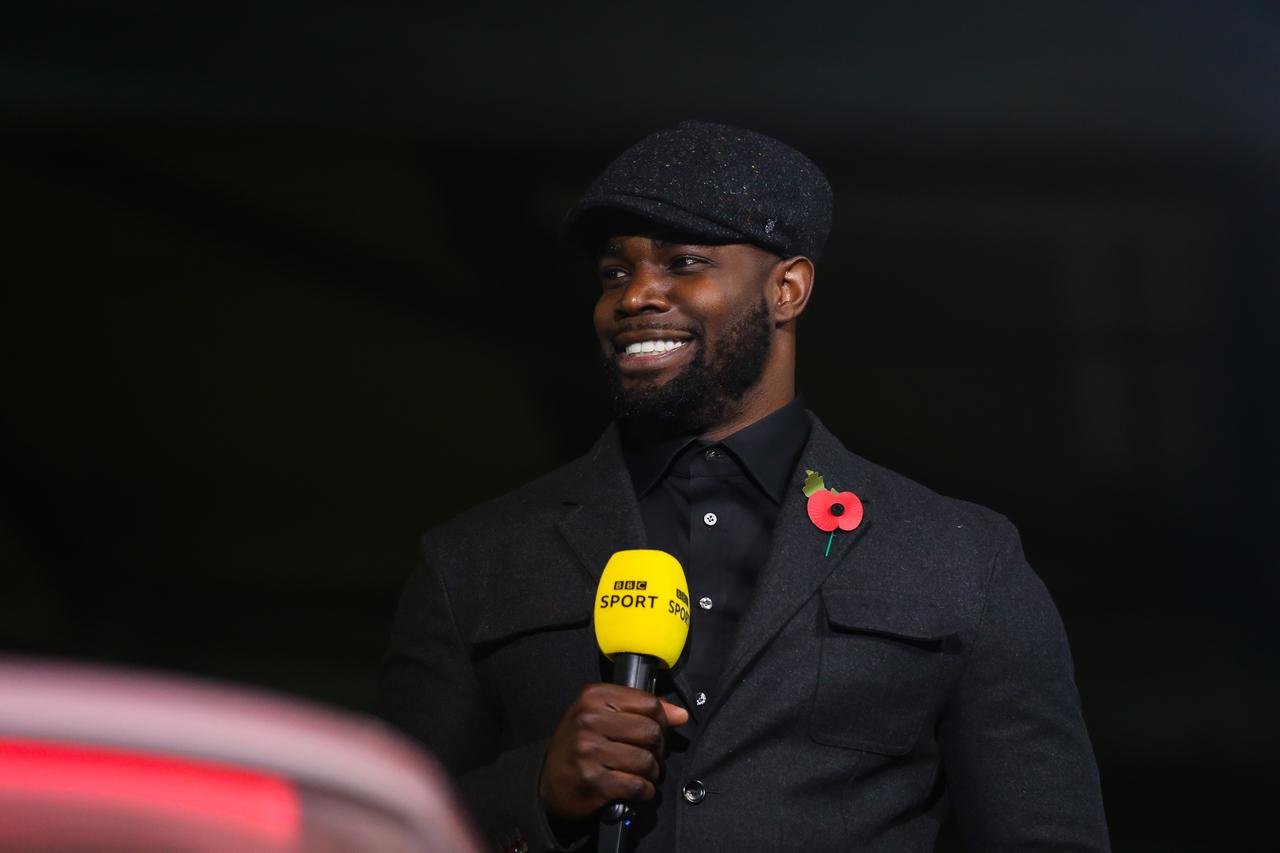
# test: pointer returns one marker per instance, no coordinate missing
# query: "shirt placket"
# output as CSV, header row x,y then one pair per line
x,y
708,511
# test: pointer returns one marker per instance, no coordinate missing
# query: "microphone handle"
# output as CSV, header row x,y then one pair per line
x,y
637,671
632,670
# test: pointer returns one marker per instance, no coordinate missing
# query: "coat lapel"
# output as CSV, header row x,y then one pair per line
x,y
603,516
796,566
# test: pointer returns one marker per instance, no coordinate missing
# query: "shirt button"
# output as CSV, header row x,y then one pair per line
x,y
695,792
704,603
710,519
700,699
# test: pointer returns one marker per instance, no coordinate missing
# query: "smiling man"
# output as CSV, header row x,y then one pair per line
x,y
857,664
688,329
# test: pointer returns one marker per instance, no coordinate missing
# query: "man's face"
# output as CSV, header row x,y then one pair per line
x,y
684,328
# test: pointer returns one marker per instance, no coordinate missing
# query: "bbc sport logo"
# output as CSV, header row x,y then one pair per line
x,y
630,584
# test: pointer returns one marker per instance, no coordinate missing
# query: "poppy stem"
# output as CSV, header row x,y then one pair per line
x,y
829,540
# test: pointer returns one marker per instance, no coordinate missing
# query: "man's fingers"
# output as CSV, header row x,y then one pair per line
x,y
676,716
615,785
632,760
628,700
607,747
634,729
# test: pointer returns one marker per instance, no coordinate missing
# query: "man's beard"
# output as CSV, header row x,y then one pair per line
x,y
701,395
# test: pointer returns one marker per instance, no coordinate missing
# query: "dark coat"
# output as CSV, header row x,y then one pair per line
x,y
920,665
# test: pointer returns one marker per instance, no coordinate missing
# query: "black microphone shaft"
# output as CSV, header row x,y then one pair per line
x,y
637,671
632,670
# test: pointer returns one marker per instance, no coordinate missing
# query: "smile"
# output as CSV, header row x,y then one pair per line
x,y
652,347
650,355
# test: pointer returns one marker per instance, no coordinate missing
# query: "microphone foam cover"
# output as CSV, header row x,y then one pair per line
x,y
642,606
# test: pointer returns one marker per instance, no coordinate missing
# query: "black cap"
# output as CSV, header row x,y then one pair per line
x,y
720,183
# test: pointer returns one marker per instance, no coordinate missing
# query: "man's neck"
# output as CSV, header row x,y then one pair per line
x,y
754,409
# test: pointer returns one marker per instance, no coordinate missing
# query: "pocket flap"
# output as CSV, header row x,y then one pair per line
x,y
892,614
510,617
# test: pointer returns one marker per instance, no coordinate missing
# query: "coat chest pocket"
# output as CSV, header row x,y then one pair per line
x,y
537,619
879,669
532,654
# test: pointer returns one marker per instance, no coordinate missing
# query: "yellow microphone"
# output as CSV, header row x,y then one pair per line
x,y
642,622
642,614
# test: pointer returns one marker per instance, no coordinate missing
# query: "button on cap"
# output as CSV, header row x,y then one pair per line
x,y
704,603
710,519
695,792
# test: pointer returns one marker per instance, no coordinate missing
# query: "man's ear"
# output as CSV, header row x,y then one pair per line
x,y
793,283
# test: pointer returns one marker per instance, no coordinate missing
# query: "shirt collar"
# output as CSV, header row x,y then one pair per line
x,y
767,449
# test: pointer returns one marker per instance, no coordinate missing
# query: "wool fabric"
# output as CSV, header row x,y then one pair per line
x,y
712,181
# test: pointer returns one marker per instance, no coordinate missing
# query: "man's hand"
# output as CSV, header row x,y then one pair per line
x,y
608,747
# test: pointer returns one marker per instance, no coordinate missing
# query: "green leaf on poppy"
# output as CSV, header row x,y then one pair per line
x,y
834,491
812,482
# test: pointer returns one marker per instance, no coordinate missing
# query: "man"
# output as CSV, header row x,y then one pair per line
x,y
846,680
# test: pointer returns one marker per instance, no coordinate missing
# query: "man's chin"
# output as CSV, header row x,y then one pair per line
x,y
685,400
665,410
642,387
649,403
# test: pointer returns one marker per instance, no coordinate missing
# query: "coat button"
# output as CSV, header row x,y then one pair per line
x,y
710,519
695,792
705,602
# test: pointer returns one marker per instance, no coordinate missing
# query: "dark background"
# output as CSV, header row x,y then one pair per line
x,y
282,290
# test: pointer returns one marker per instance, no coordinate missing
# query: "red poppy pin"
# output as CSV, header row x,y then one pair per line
x,y
829,509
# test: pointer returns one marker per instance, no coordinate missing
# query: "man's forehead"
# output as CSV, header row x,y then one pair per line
x,y
617,243
610,229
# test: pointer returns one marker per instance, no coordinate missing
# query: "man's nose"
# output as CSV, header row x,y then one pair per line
x,y
645,292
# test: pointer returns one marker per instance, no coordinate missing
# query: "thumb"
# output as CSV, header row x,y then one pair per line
x,y
676,716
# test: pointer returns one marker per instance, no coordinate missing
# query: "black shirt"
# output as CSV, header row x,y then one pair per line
x,y
713,505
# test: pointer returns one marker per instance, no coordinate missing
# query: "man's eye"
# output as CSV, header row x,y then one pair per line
x,y
684,262
611,275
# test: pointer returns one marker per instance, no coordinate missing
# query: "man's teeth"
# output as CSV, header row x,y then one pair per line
x,y
653,346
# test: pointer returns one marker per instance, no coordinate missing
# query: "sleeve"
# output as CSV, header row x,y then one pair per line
x,y
430,690
1020,769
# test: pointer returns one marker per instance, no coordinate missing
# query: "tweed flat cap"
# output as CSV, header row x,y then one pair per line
x,y
721,183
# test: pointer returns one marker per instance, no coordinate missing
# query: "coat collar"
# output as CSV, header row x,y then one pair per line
x,y
766,450
602,515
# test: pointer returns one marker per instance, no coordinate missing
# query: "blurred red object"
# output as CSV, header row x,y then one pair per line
x,y
98,759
